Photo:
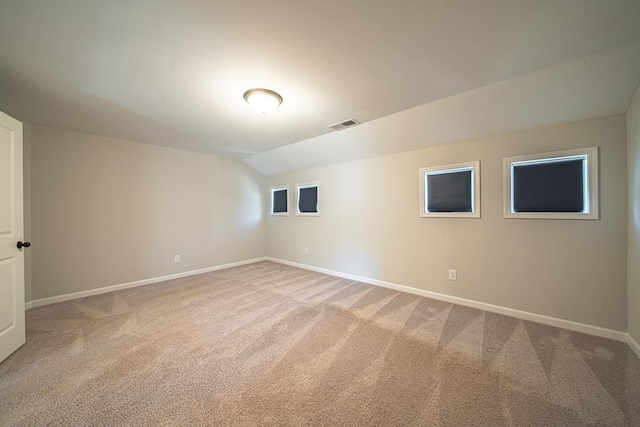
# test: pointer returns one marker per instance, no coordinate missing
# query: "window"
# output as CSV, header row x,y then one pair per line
x,y
450,191
558,185
280,200
307,199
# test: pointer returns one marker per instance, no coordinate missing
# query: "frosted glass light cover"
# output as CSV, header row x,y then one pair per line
x,y
263,101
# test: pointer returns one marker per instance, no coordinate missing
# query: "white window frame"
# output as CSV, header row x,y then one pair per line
x,y
591,187
308,185
273,190
474,167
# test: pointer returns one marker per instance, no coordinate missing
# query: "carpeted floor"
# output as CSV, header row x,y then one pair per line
x,y
268,344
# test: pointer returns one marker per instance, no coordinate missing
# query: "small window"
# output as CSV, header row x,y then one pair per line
x,y
280,200
450,191
307,199
558,185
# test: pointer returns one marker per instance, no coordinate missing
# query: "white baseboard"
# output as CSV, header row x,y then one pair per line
x,y
103,290
633,344
538,318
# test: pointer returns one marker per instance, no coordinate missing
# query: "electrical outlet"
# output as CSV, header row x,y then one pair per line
x,y
306,251
453,275
176,258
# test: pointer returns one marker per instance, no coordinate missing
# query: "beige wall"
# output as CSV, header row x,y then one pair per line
x,y
108,211
633,241
369,226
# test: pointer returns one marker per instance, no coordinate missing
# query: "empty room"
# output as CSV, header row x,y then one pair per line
x,y
336,213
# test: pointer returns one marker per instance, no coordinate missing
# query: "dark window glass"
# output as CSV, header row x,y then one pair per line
x,y
308,200
549,187
280,201
449,192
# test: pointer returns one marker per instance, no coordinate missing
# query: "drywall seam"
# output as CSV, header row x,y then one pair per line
x,y
112,288
539,318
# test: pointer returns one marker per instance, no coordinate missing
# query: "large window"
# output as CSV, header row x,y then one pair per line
x,y
280,200
450,191
558,185
308,199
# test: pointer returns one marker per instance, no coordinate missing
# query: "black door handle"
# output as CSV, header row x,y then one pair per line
x,y
25,244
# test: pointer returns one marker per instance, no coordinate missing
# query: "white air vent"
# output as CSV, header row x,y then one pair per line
x,y
343,125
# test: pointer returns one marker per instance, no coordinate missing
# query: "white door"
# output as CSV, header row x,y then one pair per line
x,y
12,331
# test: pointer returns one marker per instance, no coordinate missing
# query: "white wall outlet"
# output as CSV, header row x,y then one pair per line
x,y
176,258
453,275
306,251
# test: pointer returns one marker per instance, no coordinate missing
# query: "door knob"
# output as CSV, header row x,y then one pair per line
x,y
25,244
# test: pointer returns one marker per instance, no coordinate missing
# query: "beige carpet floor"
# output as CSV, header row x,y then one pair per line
x,y
268,344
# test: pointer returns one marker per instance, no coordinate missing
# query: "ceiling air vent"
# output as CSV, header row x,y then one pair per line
x,y
343,125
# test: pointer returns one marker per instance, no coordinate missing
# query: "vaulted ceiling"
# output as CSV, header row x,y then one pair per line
x,y
172,72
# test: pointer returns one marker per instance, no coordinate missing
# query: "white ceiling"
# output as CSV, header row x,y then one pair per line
x,y
172,72
596,85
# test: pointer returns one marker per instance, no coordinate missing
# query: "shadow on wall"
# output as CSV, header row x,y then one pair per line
x,y
357,258
635,201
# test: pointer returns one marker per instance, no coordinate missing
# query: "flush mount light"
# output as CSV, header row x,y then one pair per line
x,y
262,100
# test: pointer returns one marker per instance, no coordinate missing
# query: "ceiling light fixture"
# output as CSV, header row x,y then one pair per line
x,y
263,100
